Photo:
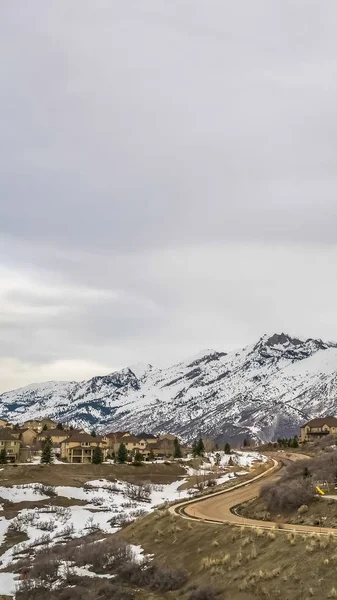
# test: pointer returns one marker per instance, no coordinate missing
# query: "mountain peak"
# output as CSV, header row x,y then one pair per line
x,y
282,339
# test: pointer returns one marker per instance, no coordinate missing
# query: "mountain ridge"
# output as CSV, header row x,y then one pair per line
x,y
264,390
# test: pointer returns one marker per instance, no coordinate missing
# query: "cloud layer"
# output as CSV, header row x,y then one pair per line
x,y
168,176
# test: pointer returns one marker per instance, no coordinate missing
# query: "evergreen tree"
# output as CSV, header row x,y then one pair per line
x,y
216,447
122,454
231,462
3,456
200,448
59,426
195,448
217,459
97,456
93,433
71,428
47,451
177,450
227,448
45,427
138,457
151,455
245,443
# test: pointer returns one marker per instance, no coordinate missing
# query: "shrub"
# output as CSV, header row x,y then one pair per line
x,y
204,593
302,509
288,495
153,576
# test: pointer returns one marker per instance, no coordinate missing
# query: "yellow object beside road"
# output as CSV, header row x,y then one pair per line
x,y
319,490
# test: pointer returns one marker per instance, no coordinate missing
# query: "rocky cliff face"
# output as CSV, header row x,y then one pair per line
x,y
265,390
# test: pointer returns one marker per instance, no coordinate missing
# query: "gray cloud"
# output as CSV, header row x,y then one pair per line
x,y
168,179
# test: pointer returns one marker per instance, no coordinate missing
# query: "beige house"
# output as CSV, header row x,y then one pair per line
x,y
9,443
28,437
134,443
79,448
115,438
57,435
38,425
318,428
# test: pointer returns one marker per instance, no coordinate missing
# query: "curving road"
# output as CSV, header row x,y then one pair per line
x,y
219,507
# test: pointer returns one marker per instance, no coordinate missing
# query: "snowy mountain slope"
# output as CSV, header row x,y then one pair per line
x,y
265,390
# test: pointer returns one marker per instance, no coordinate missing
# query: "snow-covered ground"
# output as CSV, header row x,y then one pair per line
x,y
108,505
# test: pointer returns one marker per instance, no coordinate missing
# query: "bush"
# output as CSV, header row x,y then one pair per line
x,y
303,509
288,495
204,593
151,575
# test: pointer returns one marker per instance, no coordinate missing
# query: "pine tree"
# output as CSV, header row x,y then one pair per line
x,y
227,448
45,427
47,451
217,459
122,454
93,433
200,448
97,456
245,443
3,456
151,455
59,426
177,450
138,457
195,448
216,447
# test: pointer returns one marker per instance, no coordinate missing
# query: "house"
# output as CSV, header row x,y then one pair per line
x,y
79,447
38,425
134,443
57,435
115,438
9,443
28,437
318,428
148,437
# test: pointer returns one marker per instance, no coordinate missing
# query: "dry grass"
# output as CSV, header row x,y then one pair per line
x,y
260,564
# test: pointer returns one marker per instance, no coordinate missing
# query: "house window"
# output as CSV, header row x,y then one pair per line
x,y
85,444
1,443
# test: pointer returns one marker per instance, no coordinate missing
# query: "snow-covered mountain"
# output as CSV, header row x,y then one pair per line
x,y
265,390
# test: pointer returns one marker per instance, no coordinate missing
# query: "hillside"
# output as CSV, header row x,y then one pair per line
x,y
265,390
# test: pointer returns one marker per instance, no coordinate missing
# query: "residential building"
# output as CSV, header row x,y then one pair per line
x,y
9,443
38,425
318,428
57,435
134,443
27,436
148,437
79,447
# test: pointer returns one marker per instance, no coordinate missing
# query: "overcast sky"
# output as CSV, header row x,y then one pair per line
x,y
168,176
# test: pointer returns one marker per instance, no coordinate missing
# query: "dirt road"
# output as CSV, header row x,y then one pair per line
x,y
220,507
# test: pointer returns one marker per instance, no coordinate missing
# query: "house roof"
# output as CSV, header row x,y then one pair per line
x,y
84,437
132,438
6,436
319,422
147,436
53,432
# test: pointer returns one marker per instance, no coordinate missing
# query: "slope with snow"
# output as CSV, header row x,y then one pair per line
x,y
264,390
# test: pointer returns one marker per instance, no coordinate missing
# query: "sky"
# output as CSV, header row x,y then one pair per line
x,y
168,180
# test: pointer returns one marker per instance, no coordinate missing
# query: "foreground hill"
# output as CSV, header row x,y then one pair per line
x,y
265,390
